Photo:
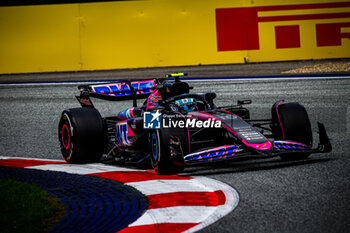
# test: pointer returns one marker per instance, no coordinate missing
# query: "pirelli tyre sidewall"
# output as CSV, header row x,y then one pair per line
x,y
81,135
65,132
161,161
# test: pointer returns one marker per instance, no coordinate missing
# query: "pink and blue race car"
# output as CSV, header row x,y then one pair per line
x,y
175,128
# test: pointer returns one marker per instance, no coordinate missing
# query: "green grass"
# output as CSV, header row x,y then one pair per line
x,y
27,207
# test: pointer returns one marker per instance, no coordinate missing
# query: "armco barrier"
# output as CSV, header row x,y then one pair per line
x,y
157,33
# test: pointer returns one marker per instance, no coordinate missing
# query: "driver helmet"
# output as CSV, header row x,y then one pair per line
x,y
186,104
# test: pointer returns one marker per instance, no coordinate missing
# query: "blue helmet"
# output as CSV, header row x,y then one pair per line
x,y
186,104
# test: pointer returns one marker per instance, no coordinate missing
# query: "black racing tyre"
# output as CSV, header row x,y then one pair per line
x,y
291,122
81,135
161,159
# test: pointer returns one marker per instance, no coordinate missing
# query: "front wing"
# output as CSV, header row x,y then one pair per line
x,y
279,148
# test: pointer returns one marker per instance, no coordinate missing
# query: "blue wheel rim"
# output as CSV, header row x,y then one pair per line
x,y
154,146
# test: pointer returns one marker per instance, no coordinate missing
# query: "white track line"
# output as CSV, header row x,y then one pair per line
x,y
81,169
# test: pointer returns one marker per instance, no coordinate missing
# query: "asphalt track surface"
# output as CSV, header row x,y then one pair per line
x,y
305,196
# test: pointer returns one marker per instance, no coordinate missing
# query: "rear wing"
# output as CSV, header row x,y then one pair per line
x,y
123,89
117,91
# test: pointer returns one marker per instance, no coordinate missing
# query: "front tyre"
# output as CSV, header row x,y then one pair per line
x,y
160,153
81,135
291,122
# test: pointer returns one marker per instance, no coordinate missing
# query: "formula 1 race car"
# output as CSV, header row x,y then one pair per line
x,y
175,128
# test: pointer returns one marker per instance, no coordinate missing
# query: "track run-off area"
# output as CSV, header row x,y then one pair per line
x,y
311,195
141,201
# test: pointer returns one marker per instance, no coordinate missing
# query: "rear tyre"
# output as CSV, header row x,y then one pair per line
x,y
81,135
291,122
161,159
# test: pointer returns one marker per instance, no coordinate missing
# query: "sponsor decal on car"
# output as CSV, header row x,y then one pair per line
x,y
156,120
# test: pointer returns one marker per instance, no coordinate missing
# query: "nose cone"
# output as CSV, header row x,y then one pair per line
x,y
264,148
